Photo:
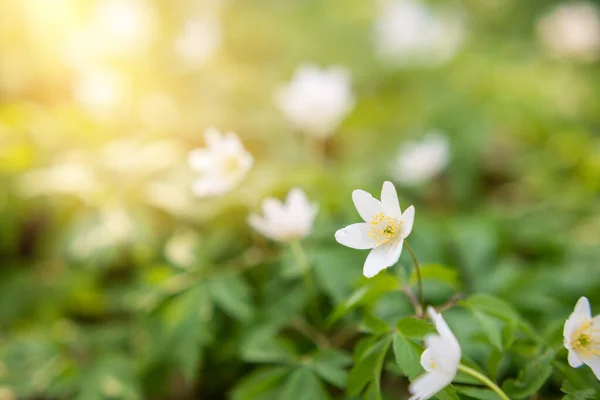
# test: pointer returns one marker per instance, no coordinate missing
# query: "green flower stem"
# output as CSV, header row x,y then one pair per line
x,y
418,269
484,379
302,261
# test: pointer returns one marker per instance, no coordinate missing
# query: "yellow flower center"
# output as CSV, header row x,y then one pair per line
x,y
231,164
586,340
384,228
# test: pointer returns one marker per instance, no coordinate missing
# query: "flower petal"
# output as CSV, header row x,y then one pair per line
x,y
594,363
262,226
366,205
389,200
574,360
200,160
428,384
583,307
408,218
356,236
382,257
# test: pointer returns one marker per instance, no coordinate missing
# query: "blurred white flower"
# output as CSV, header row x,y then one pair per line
x,y
199,41
572,30
222,165
100,91
287,221
115,227
383,231
409,32
181,248
316,100
582,337
71,177
135,158
440,360
419,161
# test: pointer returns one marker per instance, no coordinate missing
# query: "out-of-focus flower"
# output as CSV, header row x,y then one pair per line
x,y
100,91
115,227
181,248
419,161
316,100
222,165
131,157
440,360
198,41
582,337
572,30
409,32
383,231
287,221
71,178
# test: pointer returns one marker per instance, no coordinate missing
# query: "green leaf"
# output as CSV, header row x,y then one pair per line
x,y
262,346
491,329
414,328
576,394
491,305
368,368
448,393
330,365
232,294
531,378
373,324
367,294
438,272
477,393
260,382
303,384
408,356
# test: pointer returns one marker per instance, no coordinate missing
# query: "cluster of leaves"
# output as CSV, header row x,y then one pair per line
x,y
511,226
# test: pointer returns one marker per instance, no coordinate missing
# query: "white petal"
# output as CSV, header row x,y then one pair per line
x,y
579,316
200,160
356,236
583,307
262,226
366,205
427,385
389,199
594,363
212,137
273,209
297,200
382,257
408,218
574,360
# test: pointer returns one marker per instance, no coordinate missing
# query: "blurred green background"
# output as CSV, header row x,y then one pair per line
x,y
115,282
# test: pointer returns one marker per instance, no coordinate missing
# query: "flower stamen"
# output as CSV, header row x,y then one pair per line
x,y
384,228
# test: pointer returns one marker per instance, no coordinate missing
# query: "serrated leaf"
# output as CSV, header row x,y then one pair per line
x,y
372,324
576,394
414,328
303,384
260,382
368,368
330,366
531,378
491,329
408,356
232,294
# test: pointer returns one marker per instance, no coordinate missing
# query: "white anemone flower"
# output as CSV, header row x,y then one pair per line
x,y
316,100
571,30
440,360
287,221
222,165
582,337
410,33
420,161
383,231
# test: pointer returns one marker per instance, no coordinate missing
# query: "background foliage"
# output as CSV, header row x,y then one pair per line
x,y
116,283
